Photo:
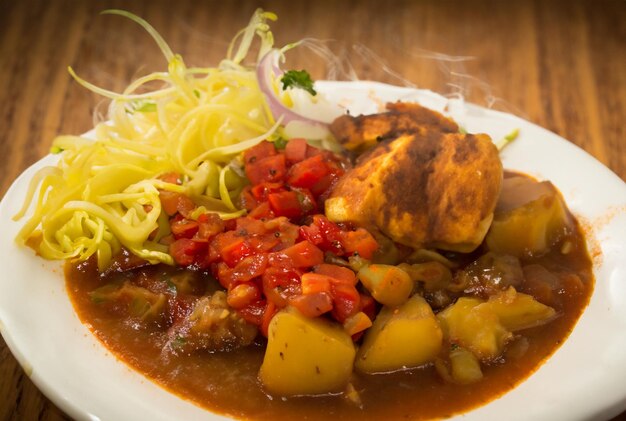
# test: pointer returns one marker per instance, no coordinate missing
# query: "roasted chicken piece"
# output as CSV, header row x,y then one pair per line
x,y
364,132
429,187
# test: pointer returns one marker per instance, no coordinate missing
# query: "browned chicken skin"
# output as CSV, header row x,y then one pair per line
x,y
364,132
425,185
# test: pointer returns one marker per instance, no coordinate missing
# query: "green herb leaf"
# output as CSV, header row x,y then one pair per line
x,y
55,150
280,143
298,79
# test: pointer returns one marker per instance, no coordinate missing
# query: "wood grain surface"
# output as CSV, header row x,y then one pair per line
x,y
561,65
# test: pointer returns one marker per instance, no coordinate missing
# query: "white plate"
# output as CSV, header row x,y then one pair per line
x,y
585,378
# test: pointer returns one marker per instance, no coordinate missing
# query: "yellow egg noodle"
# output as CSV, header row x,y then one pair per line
x,y
104,192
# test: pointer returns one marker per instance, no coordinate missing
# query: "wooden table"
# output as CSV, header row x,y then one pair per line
x,y
559,64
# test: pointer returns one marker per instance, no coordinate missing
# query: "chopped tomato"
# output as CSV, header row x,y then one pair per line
x,y
250,267
185,251
338,273
262,211
324,234
368,305
258,152
242,295
172,178
312,305
231,247
308,172
260,191
265,260
267,170
359,241
313,283
346,300
307,201
210,224
253,312
183,228
249,226
301,255
173,202
295,150
279,284
270,311
285,203
247,200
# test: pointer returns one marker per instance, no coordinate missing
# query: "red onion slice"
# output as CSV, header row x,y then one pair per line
x,y
268,69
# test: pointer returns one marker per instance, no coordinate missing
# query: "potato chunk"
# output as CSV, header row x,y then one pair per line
x,y
517,311
306,356
403,337
485,327
389,285
474,327
529,218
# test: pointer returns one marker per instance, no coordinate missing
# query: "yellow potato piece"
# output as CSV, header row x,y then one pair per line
x,y
517,311
306,356
404,337
485,327
529,218
389,285
465,366
474,327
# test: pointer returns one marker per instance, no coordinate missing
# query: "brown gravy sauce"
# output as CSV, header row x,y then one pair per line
x,y
226,383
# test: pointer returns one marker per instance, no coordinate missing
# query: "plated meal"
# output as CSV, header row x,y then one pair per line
x,y
264,246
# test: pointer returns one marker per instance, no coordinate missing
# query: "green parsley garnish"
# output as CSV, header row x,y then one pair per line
x,y
298,79
280,143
